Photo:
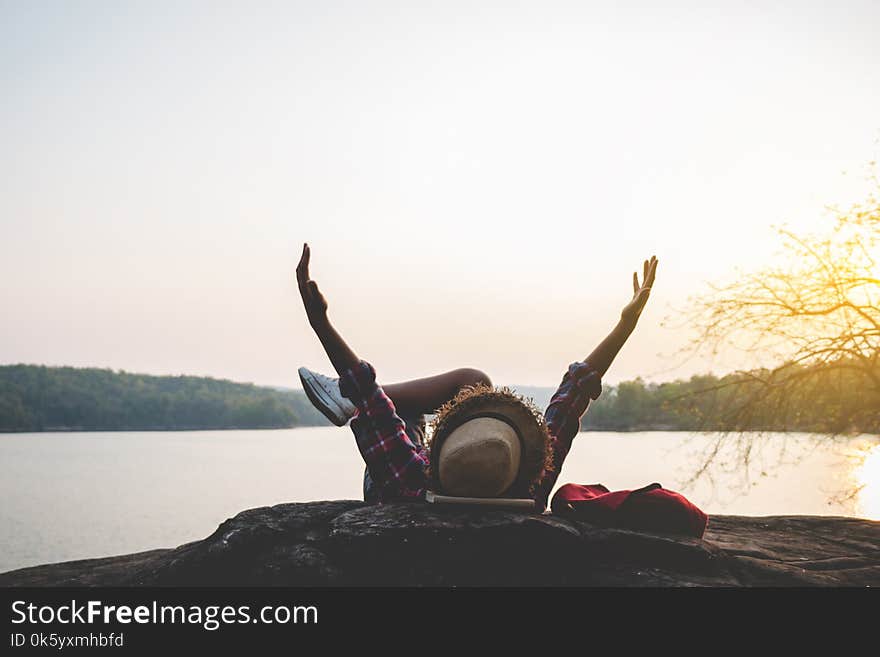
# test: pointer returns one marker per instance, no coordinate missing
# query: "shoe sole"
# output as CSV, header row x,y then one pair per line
x,y
323,402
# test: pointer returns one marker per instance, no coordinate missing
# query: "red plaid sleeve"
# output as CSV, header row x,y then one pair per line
x,y
397,466
580,384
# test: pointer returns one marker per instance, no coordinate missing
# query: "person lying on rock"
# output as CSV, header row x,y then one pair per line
x,y
486,442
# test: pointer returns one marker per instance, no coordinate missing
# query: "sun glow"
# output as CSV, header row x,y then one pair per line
x,y
867,475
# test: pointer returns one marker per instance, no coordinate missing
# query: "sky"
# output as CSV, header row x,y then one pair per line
x,y
477,180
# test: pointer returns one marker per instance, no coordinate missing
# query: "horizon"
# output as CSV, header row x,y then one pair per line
x,y
477,183
298,386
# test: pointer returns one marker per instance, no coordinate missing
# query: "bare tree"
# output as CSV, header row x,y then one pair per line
x,y
813,318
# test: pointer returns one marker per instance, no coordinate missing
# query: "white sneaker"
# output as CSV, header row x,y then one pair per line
x,y
323,392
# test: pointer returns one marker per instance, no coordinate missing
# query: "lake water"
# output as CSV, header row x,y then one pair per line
x,y
81,495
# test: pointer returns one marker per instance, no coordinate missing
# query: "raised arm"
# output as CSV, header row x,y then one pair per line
x,y
602,356
340,354
583,382
396,465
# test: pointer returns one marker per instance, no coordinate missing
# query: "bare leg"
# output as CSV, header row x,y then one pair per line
x,y
427,395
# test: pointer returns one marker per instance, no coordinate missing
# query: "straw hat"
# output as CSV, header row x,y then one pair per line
x,y
488,442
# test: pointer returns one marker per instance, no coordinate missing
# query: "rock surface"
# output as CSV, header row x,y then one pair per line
x,y
346,543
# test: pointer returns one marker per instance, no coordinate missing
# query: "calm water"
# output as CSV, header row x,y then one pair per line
x,y
80,495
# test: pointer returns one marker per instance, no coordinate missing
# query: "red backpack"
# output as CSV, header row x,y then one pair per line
x,y
652,508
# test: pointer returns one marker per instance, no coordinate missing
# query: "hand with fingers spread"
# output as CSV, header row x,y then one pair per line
x,y
641,292
313,301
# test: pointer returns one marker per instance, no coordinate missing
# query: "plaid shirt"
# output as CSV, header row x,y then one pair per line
x,y
398,466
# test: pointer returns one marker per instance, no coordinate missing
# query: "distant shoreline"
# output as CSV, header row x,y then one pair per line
x,y
153,429
663,430
38,399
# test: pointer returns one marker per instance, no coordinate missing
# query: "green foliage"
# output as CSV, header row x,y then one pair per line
x,y
37,398
821,399
817,398
813,316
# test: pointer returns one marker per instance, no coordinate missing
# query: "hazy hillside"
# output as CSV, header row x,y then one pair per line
x,y
837,404
37,398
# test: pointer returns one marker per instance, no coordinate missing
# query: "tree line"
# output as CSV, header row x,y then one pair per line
x,y
814,398
38,398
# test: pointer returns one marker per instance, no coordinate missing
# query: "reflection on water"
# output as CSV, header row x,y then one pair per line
x,y
739,474
867,481
80,495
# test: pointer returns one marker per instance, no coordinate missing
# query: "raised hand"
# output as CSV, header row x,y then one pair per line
x,y
314,302
641,292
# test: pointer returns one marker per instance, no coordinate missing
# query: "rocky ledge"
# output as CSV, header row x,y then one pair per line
x,y
347,543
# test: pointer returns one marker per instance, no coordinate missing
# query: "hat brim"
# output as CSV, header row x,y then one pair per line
x,y
521,412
